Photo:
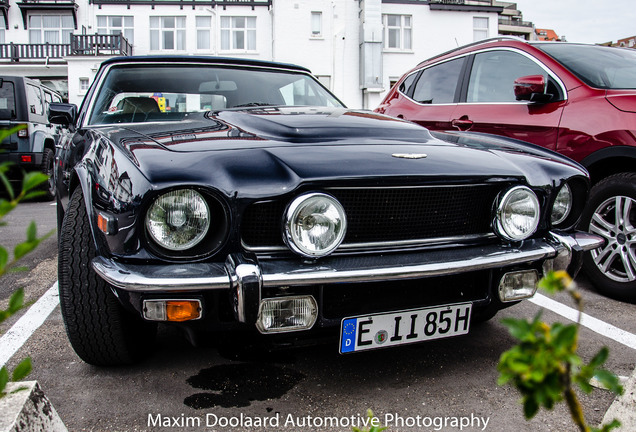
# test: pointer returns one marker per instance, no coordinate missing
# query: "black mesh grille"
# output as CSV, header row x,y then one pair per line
x,y
388,215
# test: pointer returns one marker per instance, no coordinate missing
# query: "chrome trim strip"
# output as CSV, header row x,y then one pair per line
x,y
482,50
404,266
162,278
383,245
413,265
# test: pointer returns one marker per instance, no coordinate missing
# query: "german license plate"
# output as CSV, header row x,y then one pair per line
x,y
398,328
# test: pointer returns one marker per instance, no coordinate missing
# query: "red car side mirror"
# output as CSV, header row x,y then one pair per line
x,y
531,88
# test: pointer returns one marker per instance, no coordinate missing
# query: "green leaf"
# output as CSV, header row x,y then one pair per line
x,y
32,232
519,328
19,269
530,408
24,248
4,258
6,207
608,427
564,336
34,194
16,301
599,358
6,132
33,180
22,370
4,379
5,181
609,381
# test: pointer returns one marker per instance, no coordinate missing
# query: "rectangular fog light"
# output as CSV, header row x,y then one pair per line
x,y
518,285
172,310
287,314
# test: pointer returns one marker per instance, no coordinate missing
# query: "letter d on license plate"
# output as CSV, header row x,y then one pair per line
x,y
398,328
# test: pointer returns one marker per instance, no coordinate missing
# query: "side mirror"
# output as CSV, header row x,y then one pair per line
x,y
62,114
532,88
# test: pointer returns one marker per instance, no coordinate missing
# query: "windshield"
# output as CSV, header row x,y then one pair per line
x,y
598,66
7,101
142,93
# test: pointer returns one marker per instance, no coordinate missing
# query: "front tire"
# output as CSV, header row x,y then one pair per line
x,y
100,330
48,161
611,213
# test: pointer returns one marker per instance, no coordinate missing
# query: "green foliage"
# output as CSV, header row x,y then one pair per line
x,y
30,182
374,423
24,368
544,365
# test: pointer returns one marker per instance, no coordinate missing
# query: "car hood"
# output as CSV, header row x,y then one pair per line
x,y
245,150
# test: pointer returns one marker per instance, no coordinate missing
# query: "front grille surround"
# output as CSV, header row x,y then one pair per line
x,y
387,217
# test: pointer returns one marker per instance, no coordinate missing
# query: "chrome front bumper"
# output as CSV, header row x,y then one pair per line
x,y
247,278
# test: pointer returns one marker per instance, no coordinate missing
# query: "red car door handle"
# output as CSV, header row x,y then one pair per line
x,y
462,123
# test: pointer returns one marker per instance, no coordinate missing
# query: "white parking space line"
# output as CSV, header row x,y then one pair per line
x,y
22,330
596,325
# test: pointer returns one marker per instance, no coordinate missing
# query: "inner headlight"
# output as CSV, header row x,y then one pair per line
x,y
517,215
178,220
562,205
315,225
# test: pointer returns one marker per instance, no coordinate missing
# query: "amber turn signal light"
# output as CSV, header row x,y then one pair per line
x,y
184,310
172,310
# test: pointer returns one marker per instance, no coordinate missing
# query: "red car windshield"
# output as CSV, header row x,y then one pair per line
x,y
598,66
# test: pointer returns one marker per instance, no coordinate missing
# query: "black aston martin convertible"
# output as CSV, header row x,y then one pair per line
x,y
224,194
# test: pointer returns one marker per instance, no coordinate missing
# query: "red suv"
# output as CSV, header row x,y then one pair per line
x,y
579,100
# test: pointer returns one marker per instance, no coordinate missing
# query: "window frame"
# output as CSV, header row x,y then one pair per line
x,y
417,75
63,33
203,29
556,81
319,34
480,29
179,33
402,30
127,31
232,30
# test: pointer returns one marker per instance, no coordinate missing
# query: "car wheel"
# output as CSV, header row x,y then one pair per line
x,y
611,213
48,160
101,331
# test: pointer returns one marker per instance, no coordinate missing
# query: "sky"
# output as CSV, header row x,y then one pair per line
x,y
588,21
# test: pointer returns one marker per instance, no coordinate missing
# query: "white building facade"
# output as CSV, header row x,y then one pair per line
x,y
357,48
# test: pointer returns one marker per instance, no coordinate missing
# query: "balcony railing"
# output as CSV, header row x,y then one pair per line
x,y
100,44
515,23
184,3
17,52
81,45
463,2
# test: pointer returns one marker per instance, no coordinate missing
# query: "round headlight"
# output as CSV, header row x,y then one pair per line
x,y
315,225
562,205
517,214
178,220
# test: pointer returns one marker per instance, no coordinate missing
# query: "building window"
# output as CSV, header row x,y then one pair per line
x,y
2,28
167,33
238,33
204,24
397,32
83,84
316,24
124,25
480,28
53,29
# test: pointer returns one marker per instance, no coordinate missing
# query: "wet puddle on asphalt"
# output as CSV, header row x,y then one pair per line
x,y
237,385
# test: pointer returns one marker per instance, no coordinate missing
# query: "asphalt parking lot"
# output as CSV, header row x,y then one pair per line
x,y
447,385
